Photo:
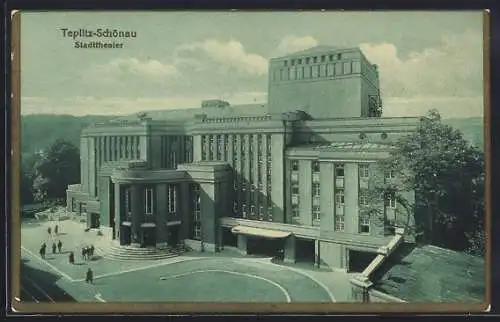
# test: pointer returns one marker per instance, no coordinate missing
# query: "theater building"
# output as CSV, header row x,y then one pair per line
x,y
287,175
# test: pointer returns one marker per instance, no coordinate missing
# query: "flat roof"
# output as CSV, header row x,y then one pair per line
x,y
190,113
344,146
260,232
432,274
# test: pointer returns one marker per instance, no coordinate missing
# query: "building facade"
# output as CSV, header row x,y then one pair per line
x,y
288,175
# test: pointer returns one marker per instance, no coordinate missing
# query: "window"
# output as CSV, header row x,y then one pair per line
x,y
322,70
128,202
308,60
364,171
363,198
149,200
244,210
390,174
315,166
295,188
339,198
339,56
315,60
172,198
364,224
339,170
330,57
316,189
197,231
356,69
299,61
316,213
295,165
323,58
339,223
347,68
285,63
330,69
390,200
211,148
300,72
293,62
315,71
295,211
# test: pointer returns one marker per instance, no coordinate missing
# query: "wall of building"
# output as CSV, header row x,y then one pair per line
x,y
323,84
332,255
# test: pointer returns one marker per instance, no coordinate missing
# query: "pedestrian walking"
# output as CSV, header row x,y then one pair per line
x,y
54,248
56,229
49,230
71,258
90,276
84,253
41,252
91,251
59,245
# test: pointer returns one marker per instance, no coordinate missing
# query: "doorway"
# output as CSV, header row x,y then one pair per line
x,y
173,235
148,237
95,221
265,247
125,235
305,250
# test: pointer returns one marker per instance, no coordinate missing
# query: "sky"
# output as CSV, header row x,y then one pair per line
x,y
177,59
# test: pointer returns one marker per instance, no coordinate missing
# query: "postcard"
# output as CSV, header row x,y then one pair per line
x,y
240,161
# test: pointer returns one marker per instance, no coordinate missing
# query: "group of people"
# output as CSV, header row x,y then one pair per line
x,y
56,248
88,252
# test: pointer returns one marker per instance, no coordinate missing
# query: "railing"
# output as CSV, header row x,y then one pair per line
x,y
236,119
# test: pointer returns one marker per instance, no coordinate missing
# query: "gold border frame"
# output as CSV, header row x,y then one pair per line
x,y
71,308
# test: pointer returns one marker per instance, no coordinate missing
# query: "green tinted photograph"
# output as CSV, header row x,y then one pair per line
x,y
252,157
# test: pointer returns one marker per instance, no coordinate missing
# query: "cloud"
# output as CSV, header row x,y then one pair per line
x,y
454,68
120,68
229,55
291,43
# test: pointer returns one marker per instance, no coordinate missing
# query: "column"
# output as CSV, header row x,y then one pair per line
x,y
317,254
196,148
137,203
277,148
118,207
305,192
242,244
351,198
290,249
144,148
327,201
209,208
161,213
184,209
255,172
113,148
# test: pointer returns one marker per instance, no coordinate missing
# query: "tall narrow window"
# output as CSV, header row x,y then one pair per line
x,y
172,199
149,201
339,170
295,165
295,211
315,167
316,213
128,203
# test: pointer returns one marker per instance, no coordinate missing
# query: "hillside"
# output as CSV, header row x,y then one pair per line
x,y
38,131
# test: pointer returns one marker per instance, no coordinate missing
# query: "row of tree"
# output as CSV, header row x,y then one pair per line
x,y
446,173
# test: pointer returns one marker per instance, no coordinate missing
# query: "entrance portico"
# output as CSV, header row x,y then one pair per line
x,y
151,206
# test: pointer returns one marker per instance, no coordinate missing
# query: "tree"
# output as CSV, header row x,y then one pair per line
x,y
57,167
438,186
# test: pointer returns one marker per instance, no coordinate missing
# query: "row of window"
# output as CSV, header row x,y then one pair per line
x,y
313,60
114,148
149,200
172,148
316,71
364,169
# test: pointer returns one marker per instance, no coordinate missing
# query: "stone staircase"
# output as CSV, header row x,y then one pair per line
x,y
115,251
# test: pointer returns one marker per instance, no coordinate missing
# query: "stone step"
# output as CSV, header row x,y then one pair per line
x,y
124,257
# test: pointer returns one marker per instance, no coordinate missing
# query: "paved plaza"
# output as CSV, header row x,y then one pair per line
x,y
222,277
